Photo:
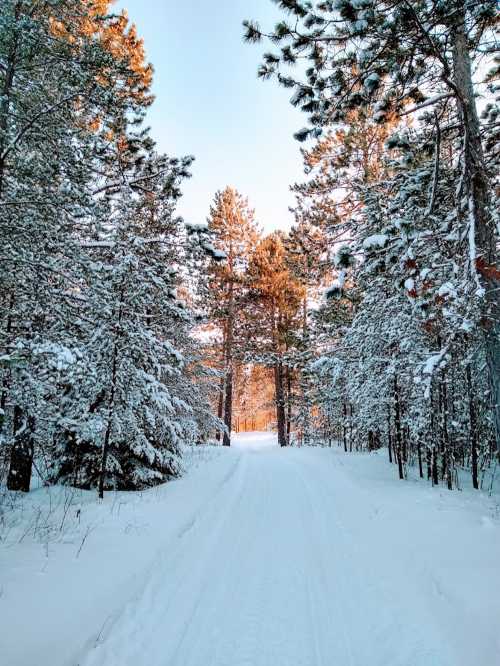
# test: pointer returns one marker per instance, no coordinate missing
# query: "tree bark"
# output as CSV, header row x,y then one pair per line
x,y
472,431
5,378
220,407
280,402
389,433
428,459
435,472
288,405
21,457
4,122
228,408
483,235
419,451
444,436
228,398
344,425
397,423
351,425
6,97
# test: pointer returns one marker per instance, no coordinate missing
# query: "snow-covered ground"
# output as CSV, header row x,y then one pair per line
x,y
257,557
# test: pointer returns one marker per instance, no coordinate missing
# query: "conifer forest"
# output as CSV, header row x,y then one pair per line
x,y
228,440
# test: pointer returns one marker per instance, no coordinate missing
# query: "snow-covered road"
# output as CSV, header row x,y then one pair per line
x,y
264,557
279,569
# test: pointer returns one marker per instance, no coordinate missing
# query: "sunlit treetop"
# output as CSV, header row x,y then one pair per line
x,y
77,19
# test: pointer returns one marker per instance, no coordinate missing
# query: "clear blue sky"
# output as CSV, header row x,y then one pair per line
x,y
209,103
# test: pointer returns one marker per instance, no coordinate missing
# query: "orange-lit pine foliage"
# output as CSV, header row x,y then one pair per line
x,y
117,37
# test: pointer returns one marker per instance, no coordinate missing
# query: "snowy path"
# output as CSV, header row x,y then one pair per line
x,y
274,571
265,557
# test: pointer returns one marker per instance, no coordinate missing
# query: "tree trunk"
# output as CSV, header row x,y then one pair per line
x,y
329,429
472,431
220,407
444,437
406,440
10,73
419,451
428,457
435,472
228,398
112,393
280,402
389,433
397,423
351,422
483,235
344,426
5,379
288,404
228,408
21,457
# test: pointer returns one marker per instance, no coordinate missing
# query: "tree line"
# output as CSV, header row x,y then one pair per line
x,y
375,318
254,303
100,378
402,181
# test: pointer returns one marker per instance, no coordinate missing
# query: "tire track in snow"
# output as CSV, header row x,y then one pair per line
x,y
318,574
392,636
268,574
215,592
127,637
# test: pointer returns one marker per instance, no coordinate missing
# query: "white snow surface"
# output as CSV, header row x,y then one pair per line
x,y
377,241
257,557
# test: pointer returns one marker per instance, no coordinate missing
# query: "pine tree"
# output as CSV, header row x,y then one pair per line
x,y
100,378
235,233
274,305
413,335
51,96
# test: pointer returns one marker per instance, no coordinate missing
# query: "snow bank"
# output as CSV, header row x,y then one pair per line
x,y
69,563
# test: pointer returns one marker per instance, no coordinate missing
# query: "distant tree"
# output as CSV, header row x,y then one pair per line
x,y
274,314
235,233
307,253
